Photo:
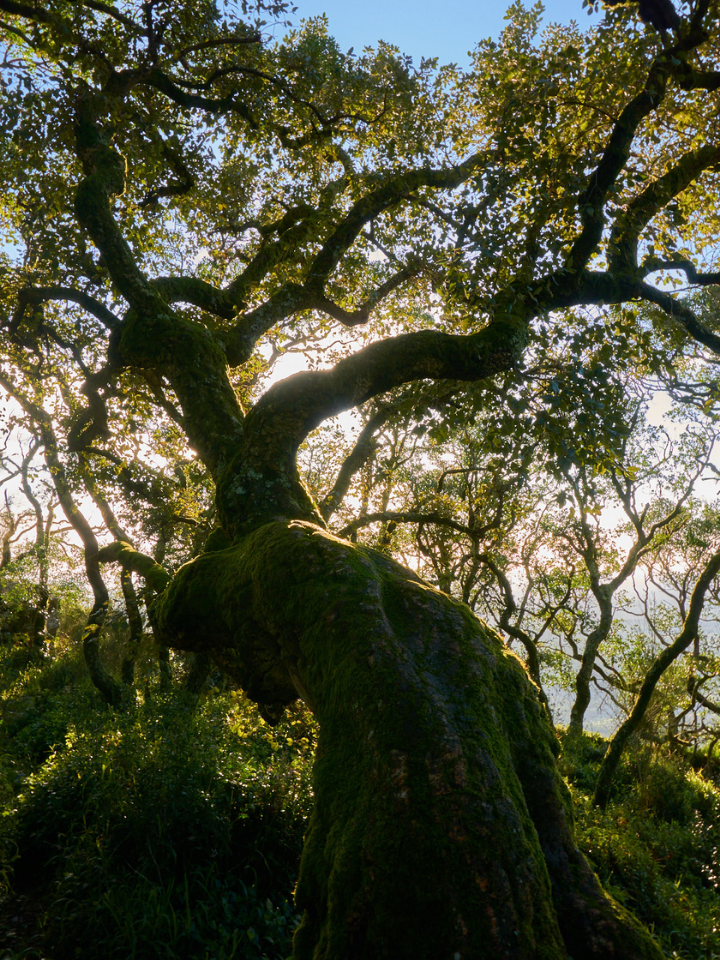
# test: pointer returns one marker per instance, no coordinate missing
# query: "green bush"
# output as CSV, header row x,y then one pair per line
x,y
174,830
164,831
655,847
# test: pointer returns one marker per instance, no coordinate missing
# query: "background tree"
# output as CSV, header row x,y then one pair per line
x,y
29,503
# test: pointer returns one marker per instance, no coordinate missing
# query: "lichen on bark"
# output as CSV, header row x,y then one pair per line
x,y
442,828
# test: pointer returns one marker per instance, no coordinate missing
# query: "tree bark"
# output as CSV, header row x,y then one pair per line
x,y
442,828
582,681
134,618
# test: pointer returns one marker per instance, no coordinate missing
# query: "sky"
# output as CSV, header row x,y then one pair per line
x,y
427,28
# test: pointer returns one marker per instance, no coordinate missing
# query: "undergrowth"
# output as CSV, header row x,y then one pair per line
x,y
656,847
170,830
173,829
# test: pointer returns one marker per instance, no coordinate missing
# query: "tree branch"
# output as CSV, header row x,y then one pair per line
x,y
156,576
616,154
622,249
31,296
652,677
403,516
197,292
353,318
303,401
364,447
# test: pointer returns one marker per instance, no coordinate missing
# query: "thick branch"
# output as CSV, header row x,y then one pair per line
x,y
129,558
638,213
197,292
111,11
262,481
303,401
291,298
614,158
28,11
217,106
153,336
688,268
105,178
395,189
681,313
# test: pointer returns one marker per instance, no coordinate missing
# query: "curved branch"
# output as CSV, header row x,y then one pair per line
x,y
291,298
104,179
156,576
688,268
622,250
115,14
261,481
221,42
353,318
198,292
693,688
153,336
396,188
31,296
217,106
303,401
241,339
683,315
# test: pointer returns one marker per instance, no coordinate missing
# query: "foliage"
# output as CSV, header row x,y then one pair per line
x,y
657,846
183,200
162,831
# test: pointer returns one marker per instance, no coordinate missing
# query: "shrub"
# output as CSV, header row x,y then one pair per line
x,y
655,847
165,831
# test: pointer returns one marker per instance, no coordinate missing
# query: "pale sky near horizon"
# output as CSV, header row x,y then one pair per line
x,y
426,28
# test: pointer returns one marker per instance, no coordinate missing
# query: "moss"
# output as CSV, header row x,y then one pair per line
x,y
442,827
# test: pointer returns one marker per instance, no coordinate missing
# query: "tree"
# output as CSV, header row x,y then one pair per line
x,y
687,577
179,198
29,614
515,521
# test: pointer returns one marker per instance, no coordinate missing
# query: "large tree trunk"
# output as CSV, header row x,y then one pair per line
x,y
442,828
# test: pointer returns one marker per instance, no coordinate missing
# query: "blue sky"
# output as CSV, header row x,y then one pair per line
x,y
429,28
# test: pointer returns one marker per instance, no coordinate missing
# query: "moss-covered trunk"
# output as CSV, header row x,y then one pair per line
x,y
442,828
